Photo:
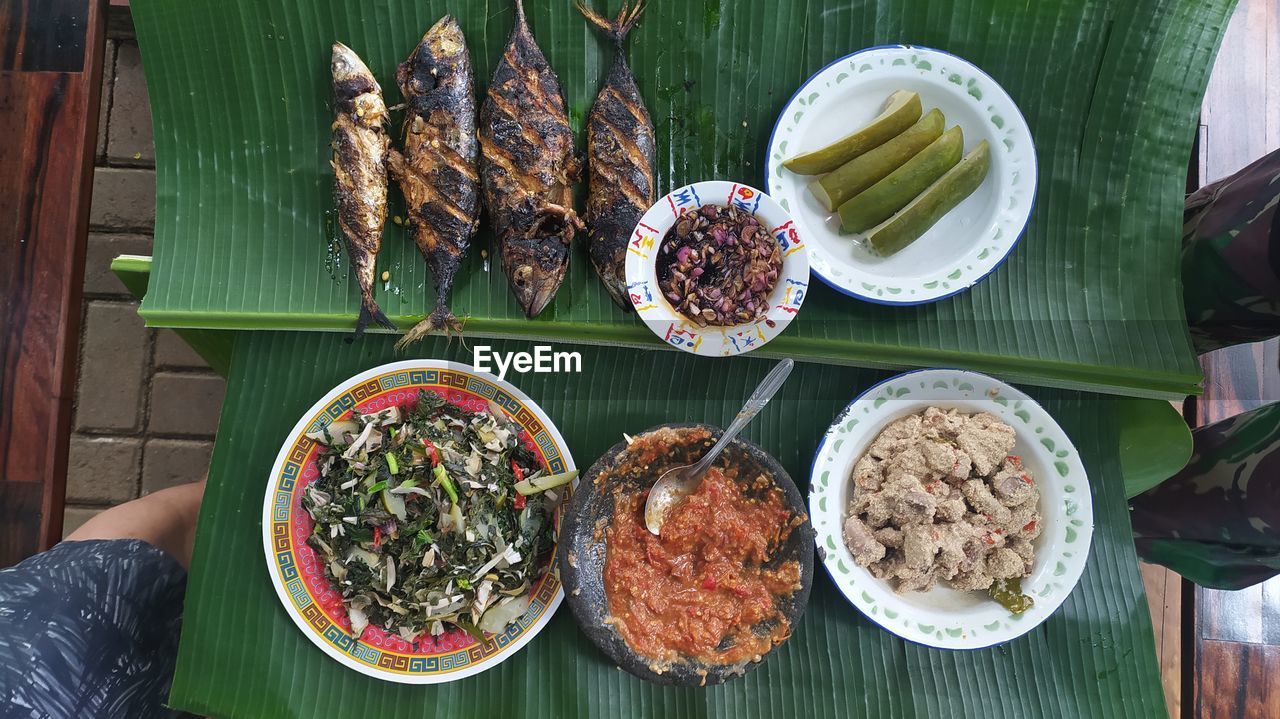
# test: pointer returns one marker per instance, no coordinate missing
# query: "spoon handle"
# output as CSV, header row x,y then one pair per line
x,y
769,386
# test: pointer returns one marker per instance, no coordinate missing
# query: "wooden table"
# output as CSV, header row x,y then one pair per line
x,y
50,79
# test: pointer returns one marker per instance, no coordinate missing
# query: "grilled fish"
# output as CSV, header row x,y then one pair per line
x,y
360,171
437,172
620,159
527,168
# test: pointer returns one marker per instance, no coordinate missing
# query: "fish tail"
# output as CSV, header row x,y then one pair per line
x,y
619,27
627,19
370,312
440,320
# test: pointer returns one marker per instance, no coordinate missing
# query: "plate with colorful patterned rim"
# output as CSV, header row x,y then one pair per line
x,y
297,571
971,240
711,341
944,617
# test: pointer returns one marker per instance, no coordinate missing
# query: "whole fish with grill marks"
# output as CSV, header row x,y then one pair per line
x,y
359,165
620,159
437,172
527,168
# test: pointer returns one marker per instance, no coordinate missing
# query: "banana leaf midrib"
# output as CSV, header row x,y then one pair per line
x,y
1131,382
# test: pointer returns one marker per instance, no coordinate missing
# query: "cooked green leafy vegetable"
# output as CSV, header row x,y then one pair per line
x,y
431,516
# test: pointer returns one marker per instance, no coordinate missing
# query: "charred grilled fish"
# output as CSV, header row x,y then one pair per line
x,y
437,171
528,167
360,171
620,159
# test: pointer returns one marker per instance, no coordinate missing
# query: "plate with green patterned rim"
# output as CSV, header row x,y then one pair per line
x,y
944,617
971,240
298,572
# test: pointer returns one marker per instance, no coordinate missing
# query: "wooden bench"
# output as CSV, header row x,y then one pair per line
x,y
50,77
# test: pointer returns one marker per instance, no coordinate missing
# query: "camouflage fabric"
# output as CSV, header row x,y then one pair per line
x,y
1217,522
1231,257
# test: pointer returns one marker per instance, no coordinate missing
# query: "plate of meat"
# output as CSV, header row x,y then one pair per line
x,y
951,509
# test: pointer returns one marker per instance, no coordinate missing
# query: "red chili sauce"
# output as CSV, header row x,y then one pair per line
x,y
698,590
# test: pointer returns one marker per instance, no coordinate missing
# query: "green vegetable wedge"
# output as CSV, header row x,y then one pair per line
x,y
866,170
878,202
942,196
900,110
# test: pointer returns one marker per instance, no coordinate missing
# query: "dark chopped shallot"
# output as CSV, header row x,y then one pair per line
x,y
717,266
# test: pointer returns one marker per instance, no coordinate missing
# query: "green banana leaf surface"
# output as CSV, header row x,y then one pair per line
x,y
1090,298
1155,441
241,655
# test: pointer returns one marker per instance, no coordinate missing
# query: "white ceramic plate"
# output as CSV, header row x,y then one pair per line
x,y
966,244
673,327
944,617
298,574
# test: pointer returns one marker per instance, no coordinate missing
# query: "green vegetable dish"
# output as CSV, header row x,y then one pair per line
x,y
429,516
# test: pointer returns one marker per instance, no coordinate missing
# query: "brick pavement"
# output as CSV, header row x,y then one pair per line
x,y
146,405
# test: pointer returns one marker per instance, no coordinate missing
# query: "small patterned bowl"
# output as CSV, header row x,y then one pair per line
x,y
674,328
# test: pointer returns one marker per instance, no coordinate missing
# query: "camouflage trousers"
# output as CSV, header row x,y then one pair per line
x,y
1217,522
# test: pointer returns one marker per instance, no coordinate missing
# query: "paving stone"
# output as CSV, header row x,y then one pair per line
x,y
104,101
129,141
74,517
123,198
102,248
184,403
103,470
171,462
114,358
173,351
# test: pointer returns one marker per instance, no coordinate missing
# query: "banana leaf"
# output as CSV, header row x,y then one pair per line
x,y
1155,441
213,346
1090,298
241,655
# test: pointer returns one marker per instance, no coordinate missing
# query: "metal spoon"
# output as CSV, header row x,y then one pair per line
x,y
678,482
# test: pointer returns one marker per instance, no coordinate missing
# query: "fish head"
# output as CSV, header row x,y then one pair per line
x,y
347,65
535,268
354,88
617,289
445,38
439,56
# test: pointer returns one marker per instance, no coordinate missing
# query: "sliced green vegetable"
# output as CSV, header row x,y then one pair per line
x,y
892,193
900,110
533,485
866,170
394,504
942,196
403,575
443,478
